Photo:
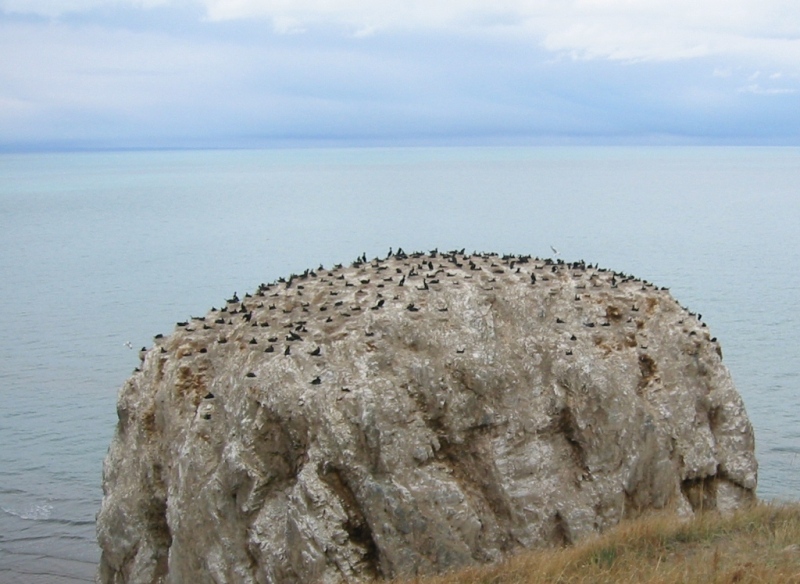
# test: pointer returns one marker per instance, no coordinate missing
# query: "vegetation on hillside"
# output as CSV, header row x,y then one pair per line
x,y
758,544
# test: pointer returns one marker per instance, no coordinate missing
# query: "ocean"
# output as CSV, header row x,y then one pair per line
x,y
104,249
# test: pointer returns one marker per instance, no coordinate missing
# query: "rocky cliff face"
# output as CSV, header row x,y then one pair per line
x,y
412,415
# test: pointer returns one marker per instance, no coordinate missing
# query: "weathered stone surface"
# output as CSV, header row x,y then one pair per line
x,y
412,415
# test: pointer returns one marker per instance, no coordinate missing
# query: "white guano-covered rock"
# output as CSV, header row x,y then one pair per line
x,y
414,415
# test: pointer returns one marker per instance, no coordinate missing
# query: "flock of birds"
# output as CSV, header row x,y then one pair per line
x,y
299,315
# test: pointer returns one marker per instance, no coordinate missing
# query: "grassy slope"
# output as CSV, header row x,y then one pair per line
x,y
759,544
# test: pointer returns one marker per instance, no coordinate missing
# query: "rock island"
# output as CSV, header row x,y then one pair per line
x,y
415,414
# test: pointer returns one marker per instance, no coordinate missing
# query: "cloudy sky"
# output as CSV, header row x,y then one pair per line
x,y
172,73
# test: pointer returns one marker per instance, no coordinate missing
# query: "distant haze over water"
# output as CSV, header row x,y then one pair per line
x,y
101,249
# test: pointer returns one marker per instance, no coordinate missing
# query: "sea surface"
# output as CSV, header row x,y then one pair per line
x,y
103,249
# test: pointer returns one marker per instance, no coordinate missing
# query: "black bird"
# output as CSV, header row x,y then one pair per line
x,y
316,380
533,278
412,308
573,338
251,374
253,341
287,350
269,349
316,352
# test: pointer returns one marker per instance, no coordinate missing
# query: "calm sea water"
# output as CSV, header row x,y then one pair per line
x,y
102,249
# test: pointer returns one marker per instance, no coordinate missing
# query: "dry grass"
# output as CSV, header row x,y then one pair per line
x,y
759,544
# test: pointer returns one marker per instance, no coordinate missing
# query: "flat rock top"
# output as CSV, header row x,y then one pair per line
x,y
299,320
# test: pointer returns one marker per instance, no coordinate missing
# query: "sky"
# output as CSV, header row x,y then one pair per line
x,y
255,73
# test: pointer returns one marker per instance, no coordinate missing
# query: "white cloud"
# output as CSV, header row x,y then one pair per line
x,y
56,8
756,89
626,30
347,67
